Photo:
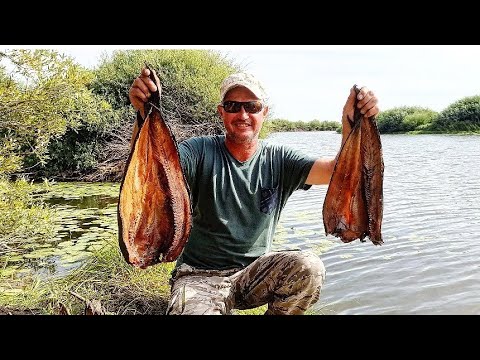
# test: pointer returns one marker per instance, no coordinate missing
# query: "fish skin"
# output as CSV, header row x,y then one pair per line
x,y
373,169
154,209
353,206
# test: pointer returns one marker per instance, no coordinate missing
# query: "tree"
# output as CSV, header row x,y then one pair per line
x,y
462,115
419,120
190,83
44,95
404,118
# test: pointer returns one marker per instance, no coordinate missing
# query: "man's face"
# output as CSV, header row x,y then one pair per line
x,y
242,127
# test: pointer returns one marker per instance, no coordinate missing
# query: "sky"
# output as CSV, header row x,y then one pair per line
x,y
307,82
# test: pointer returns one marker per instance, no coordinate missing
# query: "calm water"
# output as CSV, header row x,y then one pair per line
x,y
430,262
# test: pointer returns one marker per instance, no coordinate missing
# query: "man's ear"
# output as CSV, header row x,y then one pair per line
x,y
265,111
219,110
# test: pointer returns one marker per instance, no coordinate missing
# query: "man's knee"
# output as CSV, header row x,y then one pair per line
x,y
310,267
301,280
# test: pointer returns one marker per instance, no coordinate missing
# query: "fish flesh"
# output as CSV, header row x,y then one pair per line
x,y
154,208
353,205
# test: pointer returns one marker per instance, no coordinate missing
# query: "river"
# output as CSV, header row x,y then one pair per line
x,y
429,263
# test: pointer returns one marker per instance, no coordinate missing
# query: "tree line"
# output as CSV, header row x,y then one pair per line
x,y
61,120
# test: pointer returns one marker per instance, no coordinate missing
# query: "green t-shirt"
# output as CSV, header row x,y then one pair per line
x,y
236,205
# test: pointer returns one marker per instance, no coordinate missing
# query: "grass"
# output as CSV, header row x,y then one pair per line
x,y
121,288
255,311
105,277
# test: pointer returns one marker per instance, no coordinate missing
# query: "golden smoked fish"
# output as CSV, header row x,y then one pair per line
x,y
353,206
154,207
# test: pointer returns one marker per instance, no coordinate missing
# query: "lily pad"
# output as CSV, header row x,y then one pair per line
x,y
38,254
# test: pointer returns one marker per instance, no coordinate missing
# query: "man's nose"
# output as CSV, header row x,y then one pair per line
x,y
242,113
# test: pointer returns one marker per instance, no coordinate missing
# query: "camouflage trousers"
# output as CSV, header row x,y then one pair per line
x,y
288,281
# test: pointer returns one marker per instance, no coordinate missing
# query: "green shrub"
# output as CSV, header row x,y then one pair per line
x,y
463,115
393,120
280,125
23,218
10,161
45,95
419,120
190,80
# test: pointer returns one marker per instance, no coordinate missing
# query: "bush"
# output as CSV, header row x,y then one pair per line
x,y
190,80
419,120
22,217
280,125
10,161
45,95
463,115
393,120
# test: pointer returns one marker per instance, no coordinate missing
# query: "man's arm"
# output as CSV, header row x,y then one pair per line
x,y
139,93
322,169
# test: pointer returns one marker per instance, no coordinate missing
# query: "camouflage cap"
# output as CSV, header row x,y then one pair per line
x,y
246,80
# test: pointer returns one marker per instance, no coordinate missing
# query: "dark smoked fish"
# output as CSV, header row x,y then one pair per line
x,y
353,206
154,208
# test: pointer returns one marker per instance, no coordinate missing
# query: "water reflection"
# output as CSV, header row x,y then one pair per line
x,y
84,202
86,217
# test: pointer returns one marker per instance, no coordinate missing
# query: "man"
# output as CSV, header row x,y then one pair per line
x,y
239,187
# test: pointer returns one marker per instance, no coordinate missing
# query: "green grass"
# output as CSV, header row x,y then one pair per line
x,y
255,311
121,288
105,276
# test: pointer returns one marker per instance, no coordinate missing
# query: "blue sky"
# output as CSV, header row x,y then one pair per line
x,y
312,81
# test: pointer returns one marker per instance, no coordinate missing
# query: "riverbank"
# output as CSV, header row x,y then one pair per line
x,y
106,279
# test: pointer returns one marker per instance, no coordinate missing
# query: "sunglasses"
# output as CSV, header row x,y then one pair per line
x,y
251,107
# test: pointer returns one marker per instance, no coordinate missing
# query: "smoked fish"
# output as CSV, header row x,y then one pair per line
x,y
353,205
154,208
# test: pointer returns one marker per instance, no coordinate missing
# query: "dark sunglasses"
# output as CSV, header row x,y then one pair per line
x,y
251,107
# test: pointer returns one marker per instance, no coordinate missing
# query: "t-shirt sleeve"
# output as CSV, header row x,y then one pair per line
x,y
297,166
190,151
